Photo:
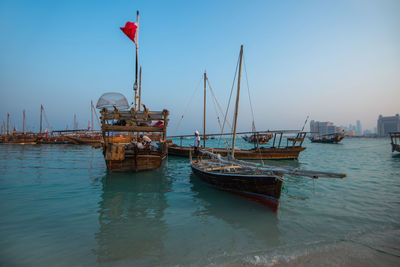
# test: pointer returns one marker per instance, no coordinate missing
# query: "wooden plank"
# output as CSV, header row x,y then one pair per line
x,y
223,168
120,128
259,133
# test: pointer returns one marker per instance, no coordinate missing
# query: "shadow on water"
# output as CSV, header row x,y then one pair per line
x,y
131,210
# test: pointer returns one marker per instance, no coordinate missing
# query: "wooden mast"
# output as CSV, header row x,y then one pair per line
x,y
237,102
8,122
41,115
204,111
135,86
140,88
91,113
23,121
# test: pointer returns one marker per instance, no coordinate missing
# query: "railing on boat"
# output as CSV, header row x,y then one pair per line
x,y
277,136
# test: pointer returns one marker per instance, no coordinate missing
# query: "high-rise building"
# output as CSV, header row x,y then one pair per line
x,y
323,128
358,128
388,124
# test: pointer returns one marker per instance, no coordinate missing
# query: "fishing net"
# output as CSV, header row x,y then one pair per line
x,y
109,100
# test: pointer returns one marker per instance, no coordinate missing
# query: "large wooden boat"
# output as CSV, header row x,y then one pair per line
x,y
395,141
289,150
278,149
122,147
122,126
334,138
264,187
260,183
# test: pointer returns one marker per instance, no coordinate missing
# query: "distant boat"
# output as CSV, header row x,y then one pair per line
x,y
251,180
258,138
395,141
333,138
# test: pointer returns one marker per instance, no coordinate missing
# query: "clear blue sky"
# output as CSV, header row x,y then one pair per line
x,y
332,60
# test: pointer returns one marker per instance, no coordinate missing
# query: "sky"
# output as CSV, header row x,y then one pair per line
x,y
335,61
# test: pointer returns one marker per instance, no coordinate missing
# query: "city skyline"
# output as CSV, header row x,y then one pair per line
x,y
334,62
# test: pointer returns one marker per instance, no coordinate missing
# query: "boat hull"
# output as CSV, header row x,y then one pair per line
x,y
261,188
263,153
395,147
127,158
328,140
135,163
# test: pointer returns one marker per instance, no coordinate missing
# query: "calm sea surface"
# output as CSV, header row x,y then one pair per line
x,y
59,206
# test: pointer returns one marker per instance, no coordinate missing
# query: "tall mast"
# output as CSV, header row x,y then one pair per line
x,y
41,115
23,121
237,102
140,87
91,113
135,86
8,122
204,111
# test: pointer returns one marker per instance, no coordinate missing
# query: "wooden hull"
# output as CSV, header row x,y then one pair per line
x,y
252,139
330,140
261,188
395,147
136,163
263,153
327,141
125,158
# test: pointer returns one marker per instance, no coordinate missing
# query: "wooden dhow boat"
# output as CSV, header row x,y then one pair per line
x,y
252,180
122,126
278,150
258,138
333,138
395,141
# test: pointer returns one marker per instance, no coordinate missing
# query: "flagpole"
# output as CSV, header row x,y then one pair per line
x,y
135,86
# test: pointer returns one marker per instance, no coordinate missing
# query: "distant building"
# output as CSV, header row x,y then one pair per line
x,y
323,128
358,128
388,124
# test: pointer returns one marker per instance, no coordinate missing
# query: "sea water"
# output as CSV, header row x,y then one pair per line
x,y
59,206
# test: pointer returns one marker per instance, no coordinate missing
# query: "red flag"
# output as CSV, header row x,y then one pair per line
x,y
130,30
159,124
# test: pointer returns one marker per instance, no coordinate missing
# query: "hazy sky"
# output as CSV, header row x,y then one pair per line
x,y
332,60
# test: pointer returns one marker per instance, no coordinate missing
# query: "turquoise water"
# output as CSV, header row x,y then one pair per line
x,y
60,207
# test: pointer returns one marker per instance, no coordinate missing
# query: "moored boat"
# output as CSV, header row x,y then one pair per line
x,y
126,130
333,138
395,141
252,180
258,138
289,150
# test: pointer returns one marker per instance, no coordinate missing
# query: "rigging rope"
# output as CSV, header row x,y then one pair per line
x,y
216,104
248,90
187,106
47,122
252,110
229,101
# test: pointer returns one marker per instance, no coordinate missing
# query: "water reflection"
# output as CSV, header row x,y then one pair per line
x,y
131,214
244,215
